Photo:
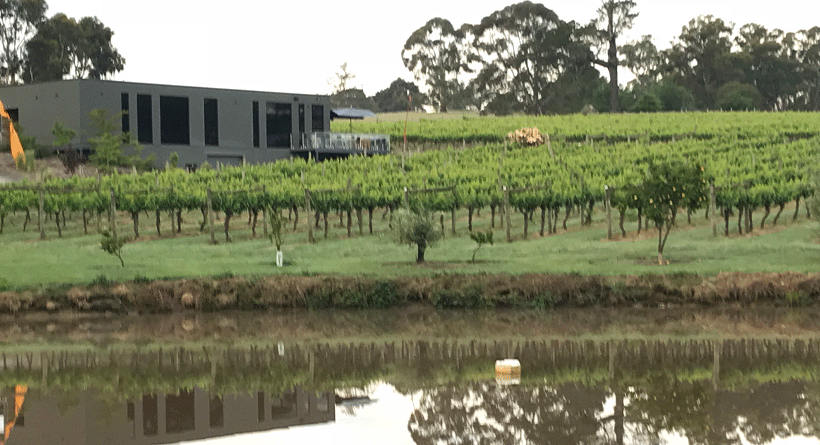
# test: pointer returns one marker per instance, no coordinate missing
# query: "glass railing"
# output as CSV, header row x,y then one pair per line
x,y
347,142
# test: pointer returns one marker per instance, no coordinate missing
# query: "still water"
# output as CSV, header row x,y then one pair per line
x,y
678,376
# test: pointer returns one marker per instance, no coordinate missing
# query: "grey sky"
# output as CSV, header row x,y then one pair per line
x,y
296,46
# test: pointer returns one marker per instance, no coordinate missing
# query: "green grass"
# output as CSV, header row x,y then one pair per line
x,y
76,258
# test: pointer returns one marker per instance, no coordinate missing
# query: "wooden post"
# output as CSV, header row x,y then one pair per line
x,y
608,207
308,219
406,198
42,199
453,220
507,212
209,203
712,207
112,217
265,214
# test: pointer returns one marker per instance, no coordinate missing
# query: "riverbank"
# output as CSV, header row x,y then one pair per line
x,y
537,291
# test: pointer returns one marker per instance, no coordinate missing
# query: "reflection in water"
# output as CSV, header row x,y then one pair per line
x,y
90,417
593,392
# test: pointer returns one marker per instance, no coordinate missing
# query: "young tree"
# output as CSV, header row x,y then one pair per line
x,y
113,245
614,17
668,187
418,228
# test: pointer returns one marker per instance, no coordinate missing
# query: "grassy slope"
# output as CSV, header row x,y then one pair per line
x,y
76,258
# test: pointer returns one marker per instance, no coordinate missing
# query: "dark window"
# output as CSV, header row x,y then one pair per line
x,y
179,412
255,123
279,124
301,124
284,406
211,122
130,411
145,120
317,117
14,114
217,408
150,424
301,118
126,122
174,125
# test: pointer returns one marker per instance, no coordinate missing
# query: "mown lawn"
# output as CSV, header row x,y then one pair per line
x,y
77,258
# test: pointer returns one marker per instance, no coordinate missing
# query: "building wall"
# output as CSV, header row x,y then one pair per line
x,y
71,101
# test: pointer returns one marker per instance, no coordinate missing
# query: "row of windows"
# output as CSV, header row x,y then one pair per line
x,y
174,125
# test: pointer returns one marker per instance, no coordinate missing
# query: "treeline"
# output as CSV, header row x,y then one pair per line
x,y
36,48
525,59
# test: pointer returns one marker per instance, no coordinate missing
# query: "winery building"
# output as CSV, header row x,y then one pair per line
x,y
220,126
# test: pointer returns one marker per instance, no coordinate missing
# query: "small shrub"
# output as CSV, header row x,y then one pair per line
x,y
4,284
113,245
139,278
100,280
481,239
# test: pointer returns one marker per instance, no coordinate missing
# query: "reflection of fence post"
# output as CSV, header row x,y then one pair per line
x,y
507,211
112,217
210,204
40,226
718,350
612,352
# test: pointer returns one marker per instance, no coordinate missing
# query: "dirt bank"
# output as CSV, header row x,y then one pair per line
x,y
446,291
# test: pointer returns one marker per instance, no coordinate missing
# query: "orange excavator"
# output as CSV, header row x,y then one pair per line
x,y
19,396
14,140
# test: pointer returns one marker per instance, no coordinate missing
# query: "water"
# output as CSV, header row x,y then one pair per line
x,y
679,376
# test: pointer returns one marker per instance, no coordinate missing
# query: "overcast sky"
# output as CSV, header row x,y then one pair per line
x,y
297,45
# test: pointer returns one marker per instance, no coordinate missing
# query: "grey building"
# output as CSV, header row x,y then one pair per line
x,y
199,124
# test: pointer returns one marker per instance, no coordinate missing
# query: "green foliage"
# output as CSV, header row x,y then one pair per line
x,y
417,228
108,145
277,228
173,160
668,187
62,135
648,103
26,163
113,245
4,284
100,280
481,238
735,96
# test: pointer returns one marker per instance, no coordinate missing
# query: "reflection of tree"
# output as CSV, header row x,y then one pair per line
x,y
482,412
773,410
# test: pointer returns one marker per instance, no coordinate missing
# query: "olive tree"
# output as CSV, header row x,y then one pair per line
x,y
417,227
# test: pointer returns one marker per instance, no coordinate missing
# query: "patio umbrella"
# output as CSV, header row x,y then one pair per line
x,y
350,114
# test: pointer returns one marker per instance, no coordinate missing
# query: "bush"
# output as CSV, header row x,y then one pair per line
x,y
417,228
648,103
736,96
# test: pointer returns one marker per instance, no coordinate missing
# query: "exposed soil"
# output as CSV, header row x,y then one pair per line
x,y
51,166
541,291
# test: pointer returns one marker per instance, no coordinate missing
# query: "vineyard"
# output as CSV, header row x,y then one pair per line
x,y
757,162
